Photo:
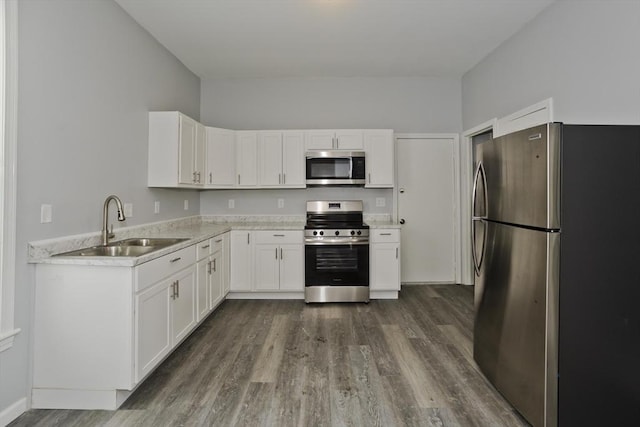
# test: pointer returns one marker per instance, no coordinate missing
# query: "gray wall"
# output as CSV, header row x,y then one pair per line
x,y
584,54
403,104
88,75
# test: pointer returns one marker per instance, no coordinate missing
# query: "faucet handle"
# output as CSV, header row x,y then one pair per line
x,y
110,232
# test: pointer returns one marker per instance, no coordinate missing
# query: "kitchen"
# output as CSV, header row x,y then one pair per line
x,y
88,75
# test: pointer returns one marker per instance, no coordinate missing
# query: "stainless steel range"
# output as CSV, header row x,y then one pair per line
x,y
336,252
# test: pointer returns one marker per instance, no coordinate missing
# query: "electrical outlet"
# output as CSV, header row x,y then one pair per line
x,y
156,207
381,202
46,214
280,203
186,205
232,204
128,210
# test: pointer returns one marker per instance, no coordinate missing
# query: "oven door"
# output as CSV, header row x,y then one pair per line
x,y
337,264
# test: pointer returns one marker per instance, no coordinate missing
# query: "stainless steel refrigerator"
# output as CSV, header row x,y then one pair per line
x,y
556,250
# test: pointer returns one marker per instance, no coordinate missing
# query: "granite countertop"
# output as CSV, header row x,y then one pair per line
x,y
195,229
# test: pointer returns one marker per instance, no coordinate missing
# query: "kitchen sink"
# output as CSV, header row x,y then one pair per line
x,y
132,247
148,241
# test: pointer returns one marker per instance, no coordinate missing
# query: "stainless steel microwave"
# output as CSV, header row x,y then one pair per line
x,y
336,168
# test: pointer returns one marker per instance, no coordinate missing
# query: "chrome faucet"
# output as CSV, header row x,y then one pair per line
x,y
106,233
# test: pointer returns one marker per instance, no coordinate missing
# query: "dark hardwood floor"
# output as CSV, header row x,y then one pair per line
x,y
406,362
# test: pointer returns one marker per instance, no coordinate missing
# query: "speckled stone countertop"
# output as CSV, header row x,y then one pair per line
x,y
195,229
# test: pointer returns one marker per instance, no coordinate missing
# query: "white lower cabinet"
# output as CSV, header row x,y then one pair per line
x,y
100,330
241,261
384,263
267,261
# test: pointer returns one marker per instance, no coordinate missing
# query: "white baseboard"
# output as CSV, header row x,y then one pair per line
x,y
13,411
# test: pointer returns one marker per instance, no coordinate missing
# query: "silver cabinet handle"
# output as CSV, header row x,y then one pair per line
x,y
278,235
218,241
210,178
177,289
279,178
369,178
205,246
175,260
385,234
214,264
209,267
396,253
199,177
248,234
281,253
284,178
238,179
276,253
194,177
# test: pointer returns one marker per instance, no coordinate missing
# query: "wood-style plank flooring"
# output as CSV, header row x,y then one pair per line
x,y
406,362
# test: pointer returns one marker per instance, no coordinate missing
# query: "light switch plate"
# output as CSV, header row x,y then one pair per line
x,y
46,214
232,203
186,204
280,203
156,207
381,202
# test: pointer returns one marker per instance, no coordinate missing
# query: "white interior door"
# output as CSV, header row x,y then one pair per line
x,y
426,207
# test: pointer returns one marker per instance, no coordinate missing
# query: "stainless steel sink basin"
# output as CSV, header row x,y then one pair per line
x,y
148,241
112,251
133,247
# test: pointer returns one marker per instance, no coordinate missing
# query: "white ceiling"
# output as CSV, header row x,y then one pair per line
x,y
331,38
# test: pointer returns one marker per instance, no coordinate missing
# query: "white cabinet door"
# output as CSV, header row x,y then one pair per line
x,y
152,327
241,261
200,150
320,139
270,155
267,267
183,306
226,266
247,158
292,267
203,278
293,160
380,158
216,268
385,267
221,157
186,151
348,139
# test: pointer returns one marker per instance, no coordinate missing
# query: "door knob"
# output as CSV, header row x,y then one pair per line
x,y
402,190
402,221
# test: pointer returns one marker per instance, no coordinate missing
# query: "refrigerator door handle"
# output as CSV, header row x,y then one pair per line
x,y
477,262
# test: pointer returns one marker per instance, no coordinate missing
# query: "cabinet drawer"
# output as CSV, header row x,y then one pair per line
x,y
275,237
216,244
384,235
151,272
203,249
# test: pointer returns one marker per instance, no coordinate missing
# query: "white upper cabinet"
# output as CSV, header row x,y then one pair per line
x,y
176,150
380,158
270,155
221,158
341,139
281,159
246,158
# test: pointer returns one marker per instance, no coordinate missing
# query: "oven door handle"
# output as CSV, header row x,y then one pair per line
x,y
335,242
